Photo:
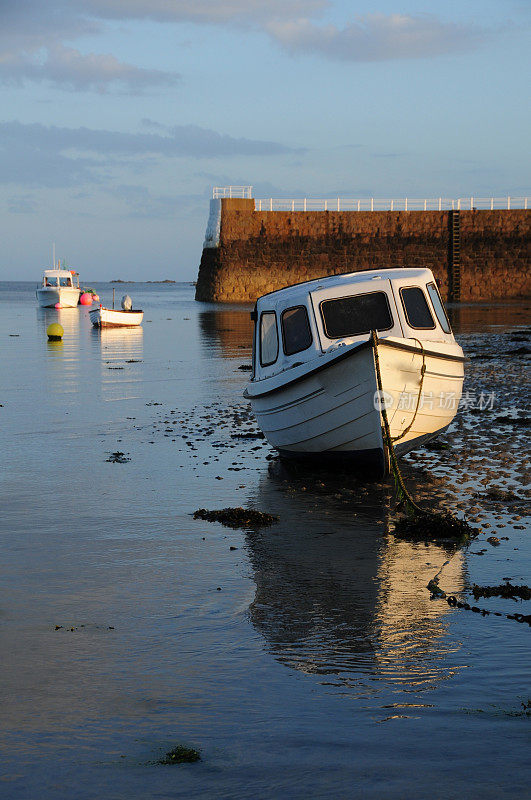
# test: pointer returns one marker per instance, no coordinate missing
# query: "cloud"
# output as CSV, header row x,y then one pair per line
x,y
37,155
67,68
32,48
254,12
21,204
377,37
36,38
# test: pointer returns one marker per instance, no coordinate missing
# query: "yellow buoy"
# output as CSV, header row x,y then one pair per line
x,y
54,332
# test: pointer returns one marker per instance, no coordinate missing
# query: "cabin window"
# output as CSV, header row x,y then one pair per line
x,y
438,307
296,333
268,338
65,281
51,282
352,316
418,313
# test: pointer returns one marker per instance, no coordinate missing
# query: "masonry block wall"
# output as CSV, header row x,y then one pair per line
x,y
259,252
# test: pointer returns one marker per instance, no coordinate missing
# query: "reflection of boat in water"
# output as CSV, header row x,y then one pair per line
x,y
315,388
337,595
119,344
59,286
69,319
409,627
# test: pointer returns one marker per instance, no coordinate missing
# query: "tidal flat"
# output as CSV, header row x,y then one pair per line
x,y
303,659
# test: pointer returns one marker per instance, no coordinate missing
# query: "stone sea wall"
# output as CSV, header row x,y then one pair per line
x,y
260,251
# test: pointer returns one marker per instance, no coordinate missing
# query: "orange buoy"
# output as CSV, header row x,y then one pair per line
x,y
85,299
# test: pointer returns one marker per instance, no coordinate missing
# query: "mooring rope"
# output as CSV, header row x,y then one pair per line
x,y
401,490
439,594
419,395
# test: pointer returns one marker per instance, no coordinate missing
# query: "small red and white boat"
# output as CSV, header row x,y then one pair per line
x,y
126,317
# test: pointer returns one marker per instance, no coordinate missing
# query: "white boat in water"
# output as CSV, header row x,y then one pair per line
x,y
59,287
329,353
126,317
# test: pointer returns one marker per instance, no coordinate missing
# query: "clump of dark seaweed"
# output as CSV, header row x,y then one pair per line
x,y
436,446
507,590
523,421
180,755
424,526
118,458
236,517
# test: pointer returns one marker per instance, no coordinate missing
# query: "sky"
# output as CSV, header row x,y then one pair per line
x,y
117,117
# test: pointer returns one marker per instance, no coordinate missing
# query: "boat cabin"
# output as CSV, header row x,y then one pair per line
x,y
60,277
307,320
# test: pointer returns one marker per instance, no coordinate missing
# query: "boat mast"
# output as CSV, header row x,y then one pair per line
x,y
54,255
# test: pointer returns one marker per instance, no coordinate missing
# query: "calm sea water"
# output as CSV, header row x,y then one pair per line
x,y
302,660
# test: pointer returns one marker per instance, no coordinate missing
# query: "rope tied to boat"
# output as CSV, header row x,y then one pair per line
x,y
400,487
442,524
419,395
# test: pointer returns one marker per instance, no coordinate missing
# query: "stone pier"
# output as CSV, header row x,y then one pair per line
x,y
248,252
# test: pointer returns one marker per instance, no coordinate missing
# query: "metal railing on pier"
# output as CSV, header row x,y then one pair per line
x,y
395,204
219,192
372,203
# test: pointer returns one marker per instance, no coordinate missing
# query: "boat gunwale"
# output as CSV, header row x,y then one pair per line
x,y
117,310
350,352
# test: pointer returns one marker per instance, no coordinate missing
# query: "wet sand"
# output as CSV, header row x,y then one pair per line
x,y
304,659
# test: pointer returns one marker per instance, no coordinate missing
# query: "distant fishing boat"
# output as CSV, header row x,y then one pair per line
x,y
60,287
328,354
126,317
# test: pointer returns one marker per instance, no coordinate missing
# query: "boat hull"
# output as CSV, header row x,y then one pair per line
x,y
66,296
422,387
111,318
334,412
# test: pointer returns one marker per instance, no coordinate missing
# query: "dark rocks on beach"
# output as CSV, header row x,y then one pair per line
x,y
494,541
236,517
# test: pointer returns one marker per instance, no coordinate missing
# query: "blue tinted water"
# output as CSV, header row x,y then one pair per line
x,y
307,662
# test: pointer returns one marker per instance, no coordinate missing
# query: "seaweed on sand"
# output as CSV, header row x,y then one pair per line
x,y
236,517
424,526
118,458
506,590
180,755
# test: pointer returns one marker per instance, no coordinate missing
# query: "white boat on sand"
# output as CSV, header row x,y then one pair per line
x,y
59,287
314,388
126,317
